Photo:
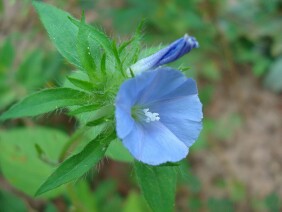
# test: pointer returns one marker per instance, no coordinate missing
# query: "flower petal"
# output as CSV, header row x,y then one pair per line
x,y
124,121
188,131
127,94
164,81
181,108
182,116
154,144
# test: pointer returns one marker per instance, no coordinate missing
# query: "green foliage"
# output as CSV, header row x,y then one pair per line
x,y
273,203
60,30
21,162
77,165
118,152
33,77
158,185
6,56
82,197
15,82
95,34
237,191
84,52
45,101
134,202
11,203
220,205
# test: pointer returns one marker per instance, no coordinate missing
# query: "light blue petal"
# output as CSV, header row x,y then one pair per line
x,y
154,144
188,131
182,116
189,87
163,82
181,108
124,121
127,94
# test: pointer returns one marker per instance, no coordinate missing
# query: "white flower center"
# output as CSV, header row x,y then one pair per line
x,y
151,116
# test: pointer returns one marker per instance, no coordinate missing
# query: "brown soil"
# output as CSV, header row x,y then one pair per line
x,y
252,156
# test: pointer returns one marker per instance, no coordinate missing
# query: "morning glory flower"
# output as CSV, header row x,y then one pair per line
x,y
166,55
158,115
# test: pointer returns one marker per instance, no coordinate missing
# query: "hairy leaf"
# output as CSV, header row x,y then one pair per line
x,y
83,50
77,165
97,35
45,101
60,29
81,84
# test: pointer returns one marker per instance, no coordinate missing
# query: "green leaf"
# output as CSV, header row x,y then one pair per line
x,y
103,64
104,112
1,6
77,165
272,202
117,151
82,197
20,163
84,109
7,96
45,101
95,117
135,202
7,55
83,50
81,84
60,29
11,203
189,179
260,66
220,205
107,196
158,185
30,71
96,35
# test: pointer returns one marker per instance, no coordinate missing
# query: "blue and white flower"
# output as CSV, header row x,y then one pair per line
x,y
166,55
158,115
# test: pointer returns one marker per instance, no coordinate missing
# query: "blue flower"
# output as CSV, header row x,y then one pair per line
x,y
169,54
158,115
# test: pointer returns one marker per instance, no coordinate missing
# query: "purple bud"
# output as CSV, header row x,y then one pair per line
x,y
166,55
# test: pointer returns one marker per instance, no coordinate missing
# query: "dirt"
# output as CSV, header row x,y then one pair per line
x,y
252,157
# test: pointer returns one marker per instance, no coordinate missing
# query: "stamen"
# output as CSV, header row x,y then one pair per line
x,y
151,116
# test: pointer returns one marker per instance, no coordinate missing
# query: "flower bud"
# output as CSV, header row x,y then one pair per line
x,y
166,55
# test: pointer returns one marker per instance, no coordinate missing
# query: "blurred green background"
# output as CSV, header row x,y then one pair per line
x,y
236,165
